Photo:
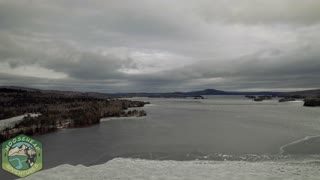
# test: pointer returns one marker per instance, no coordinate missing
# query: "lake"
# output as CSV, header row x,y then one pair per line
x,y
227,128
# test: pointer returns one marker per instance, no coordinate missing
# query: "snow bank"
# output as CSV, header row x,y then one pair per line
x,y
124,168
122,118
11,121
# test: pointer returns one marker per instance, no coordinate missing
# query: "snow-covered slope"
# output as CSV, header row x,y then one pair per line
x,y
123,168
11,121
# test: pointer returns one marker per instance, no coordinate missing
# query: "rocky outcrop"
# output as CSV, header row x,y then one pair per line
x,y
261,98
136,113
258,99
312,102
198,97
250,97
286,99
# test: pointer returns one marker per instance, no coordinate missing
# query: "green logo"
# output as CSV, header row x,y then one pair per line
x,y
22,155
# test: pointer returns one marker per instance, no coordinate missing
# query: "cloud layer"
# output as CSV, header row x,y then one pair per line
x,y
148,45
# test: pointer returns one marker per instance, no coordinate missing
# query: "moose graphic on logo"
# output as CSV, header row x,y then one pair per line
x,y
22,155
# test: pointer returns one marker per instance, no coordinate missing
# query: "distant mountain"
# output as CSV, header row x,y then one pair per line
x,y
17,89
196,93
219,92
314,92
166,94
207,92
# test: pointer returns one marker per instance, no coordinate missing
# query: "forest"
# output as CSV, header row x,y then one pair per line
x,y
59,110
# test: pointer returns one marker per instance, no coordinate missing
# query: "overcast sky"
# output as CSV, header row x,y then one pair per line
x,y
160,45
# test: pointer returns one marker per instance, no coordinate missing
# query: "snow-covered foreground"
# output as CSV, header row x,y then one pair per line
x,y
124,168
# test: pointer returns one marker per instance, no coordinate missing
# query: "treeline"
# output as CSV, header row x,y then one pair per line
x,y
29,126
59,110
312,101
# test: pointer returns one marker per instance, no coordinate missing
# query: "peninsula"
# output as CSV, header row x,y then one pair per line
x,y
59,109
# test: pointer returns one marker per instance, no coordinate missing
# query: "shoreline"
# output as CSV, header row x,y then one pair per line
x,y
106,119
52,112
9,132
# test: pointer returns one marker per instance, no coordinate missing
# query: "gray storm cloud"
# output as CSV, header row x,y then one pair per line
x,y
148,45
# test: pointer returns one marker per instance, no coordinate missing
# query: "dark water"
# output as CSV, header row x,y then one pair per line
x,y
219,127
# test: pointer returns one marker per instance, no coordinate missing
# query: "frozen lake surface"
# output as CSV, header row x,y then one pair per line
x,y
220,131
